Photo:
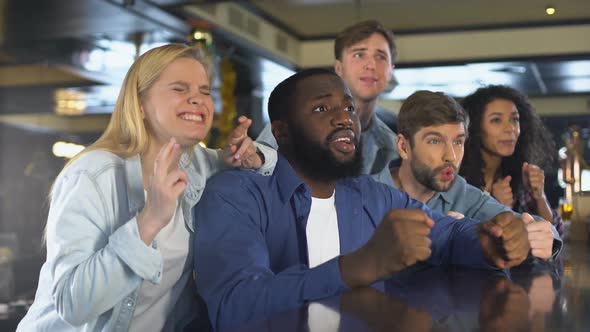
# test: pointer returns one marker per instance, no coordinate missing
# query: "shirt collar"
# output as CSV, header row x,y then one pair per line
x,y
136,197
135,180
195,184
287,180
444,195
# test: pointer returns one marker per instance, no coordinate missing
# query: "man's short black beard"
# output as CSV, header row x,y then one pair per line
x,y
425,176
319,163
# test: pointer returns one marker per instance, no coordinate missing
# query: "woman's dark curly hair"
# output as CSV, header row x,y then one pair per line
x,y
535,143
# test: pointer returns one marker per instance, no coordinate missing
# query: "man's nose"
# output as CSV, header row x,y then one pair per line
x,y
369,64
450,155
342,119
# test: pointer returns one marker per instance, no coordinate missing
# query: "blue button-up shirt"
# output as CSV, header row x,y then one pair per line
x,y
251,248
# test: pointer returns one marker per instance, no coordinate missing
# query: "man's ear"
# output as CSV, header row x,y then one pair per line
x,y
280,130
403,147
338,67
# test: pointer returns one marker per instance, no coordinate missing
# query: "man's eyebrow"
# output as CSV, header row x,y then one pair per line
x,y
322,96
382,52
432,133
357,49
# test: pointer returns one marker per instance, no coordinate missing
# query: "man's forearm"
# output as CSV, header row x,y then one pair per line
x,y
254,293
358,269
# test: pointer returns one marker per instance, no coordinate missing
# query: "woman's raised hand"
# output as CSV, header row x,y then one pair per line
x,y
502,191
533,179
166,184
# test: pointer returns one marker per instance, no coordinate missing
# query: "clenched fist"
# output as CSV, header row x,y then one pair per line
x,y
504,240
399,241
502,191
533,179
540,236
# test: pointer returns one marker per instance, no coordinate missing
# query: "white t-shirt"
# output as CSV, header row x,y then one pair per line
x,y
323,239
155,302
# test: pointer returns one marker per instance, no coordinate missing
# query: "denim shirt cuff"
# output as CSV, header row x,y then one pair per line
x,y
145,261
324,280
270,159
467,251
557,243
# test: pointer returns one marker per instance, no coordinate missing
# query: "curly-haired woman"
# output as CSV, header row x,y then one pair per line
x,y
508,150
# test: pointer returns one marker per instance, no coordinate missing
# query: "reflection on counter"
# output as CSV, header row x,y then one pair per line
x,y
535,296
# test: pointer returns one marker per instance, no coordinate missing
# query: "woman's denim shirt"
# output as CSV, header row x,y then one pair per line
x,y
96,261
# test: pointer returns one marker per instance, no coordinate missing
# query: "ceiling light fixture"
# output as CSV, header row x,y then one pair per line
x,y
202,36
550,10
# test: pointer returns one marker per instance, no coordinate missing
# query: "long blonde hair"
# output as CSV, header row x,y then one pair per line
x,y
126,134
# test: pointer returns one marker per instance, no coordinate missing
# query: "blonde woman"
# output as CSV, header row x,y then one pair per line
x,y
120,222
